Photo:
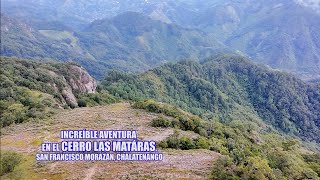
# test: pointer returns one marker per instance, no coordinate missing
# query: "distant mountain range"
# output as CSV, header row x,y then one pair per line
x,y
282,34
130,42
133,41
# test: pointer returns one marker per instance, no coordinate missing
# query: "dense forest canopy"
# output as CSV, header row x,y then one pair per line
x,y
247,152
228,87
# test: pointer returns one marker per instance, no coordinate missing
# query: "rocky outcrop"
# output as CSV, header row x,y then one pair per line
x,y
74,81
80,82
50,84
83,82
69,97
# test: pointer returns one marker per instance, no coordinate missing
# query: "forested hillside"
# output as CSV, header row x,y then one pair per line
x,y
228,87
192,147
244,144
134,42
33,90
19,39
129,42
248,152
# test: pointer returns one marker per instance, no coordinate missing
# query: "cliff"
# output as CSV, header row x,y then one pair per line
x,y
60,82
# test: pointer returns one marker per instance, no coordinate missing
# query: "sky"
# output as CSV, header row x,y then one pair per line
x,y
314,4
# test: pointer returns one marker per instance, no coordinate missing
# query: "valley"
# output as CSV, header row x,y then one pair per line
x,y
221,90
281,34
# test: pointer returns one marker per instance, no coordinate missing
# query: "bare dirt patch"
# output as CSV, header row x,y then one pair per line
x,y
27,137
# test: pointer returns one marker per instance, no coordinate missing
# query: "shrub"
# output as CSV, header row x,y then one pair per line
x,y
224,169
161,122
9,160
202,143
314,162
175,123
182,120
173,142
163,144
256,168
101,98
82,103
186,143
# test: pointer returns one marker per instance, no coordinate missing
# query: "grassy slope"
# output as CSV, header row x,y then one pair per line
x,y
27,137
60,35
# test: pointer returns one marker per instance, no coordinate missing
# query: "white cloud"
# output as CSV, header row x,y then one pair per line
x,y
314,4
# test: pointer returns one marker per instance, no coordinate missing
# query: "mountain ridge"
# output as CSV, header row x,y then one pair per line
x,y
269,32
133,46
32,90
228,87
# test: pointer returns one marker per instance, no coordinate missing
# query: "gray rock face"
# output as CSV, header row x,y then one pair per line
x,y
78,81
69,97
84,82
